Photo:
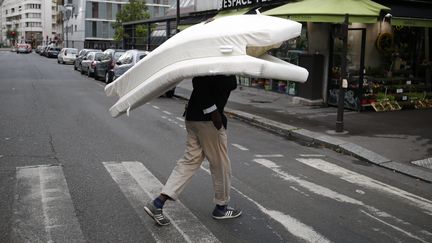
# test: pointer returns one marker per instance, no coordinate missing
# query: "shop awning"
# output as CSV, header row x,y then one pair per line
x,y
411,22
413,15
333,11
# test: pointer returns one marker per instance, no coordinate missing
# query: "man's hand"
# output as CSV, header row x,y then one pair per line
x,y
216,119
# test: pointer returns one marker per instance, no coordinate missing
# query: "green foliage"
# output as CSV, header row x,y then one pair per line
x,y
12,35
133,11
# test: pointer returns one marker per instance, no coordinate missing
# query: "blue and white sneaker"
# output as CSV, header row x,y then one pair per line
x,y
226,213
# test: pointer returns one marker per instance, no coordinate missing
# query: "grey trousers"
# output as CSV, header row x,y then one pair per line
x,y
203,141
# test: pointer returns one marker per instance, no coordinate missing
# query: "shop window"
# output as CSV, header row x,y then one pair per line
x,y
404,79
289,51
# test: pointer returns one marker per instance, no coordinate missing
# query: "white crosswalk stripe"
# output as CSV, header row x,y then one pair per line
x,y
140,186
361,180
293,225
320,190
43,209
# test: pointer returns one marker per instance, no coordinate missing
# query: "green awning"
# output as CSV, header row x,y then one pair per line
x,y
411,22
333,11
232,12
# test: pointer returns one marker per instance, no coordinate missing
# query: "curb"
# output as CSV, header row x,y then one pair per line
x,y
330,142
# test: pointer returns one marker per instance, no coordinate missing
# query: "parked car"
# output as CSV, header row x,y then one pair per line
x,y
38,49
103,68
67,55
126,61
23,48
88,63
80,56
52,52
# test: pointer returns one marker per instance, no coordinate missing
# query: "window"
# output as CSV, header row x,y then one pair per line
x,y
95,10
94,28
105,29
109,11
126,58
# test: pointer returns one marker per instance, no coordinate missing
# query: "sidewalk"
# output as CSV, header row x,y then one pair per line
x,y
391,140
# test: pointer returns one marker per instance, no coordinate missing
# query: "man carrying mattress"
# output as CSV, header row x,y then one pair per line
x,y
206,138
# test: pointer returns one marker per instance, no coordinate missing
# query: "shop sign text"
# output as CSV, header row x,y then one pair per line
x,y
241,3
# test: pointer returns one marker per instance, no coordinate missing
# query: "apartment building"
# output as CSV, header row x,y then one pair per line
x,y
33,21
88,23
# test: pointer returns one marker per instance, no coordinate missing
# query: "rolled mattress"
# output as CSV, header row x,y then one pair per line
x,y
234,45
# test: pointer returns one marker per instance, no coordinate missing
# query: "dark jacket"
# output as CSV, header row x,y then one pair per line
x,y
207,92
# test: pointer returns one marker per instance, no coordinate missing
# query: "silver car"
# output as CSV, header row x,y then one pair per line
x,y
89,62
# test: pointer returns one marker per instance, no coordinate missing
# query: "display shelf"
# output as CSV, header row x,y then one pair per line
x,y
389,94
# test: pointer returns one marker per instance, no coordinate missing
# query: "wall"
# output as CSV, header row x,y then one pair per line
x,y
372,56
204,5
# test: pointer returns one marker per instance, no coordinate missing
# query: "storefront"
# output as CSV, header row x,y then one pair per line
x,y
388,64
402,80
388,56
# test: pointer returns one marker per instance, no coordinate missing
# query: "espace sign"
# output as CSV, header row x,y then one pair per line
x,y
243,3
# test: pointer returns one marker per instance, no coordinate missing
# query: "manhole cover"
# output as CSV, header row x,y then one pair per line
x,y
427,163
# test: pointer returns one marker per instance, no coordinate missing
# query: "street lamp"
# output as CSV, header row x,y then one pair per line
x,y
67,13
178,17
343,83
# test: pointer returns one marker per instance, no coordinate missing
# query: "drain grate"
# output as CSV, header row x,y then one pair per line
x,y
427,163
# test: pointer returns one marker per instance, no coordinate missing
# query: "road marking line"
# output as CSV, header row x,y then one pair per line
x,y
312,187
239,147
180,119
361,180
311,155
167,112
293,225
140,186
269,155
43,208
326,192
395,227
156,107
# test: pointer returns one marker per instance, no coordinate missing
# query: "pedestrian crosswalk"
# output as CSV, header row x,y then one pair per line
x,y
43,210
140,186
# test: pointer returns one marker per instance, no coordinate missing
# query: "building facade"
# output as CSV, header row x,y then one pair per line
x,y
33,21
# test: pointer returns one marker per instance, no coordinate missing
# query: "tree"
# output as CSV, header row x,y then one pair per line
x,y
133,11
11,35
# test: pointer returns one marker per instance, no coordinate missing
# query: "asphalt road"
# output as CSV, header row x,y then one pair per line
x,y
71,173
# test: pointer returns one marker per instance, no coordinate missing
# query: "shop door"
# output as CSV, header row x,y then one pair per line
x,y
355,69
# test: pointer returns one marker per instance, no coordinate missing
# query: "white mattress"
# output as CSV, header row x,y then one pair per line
x,y
228,45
